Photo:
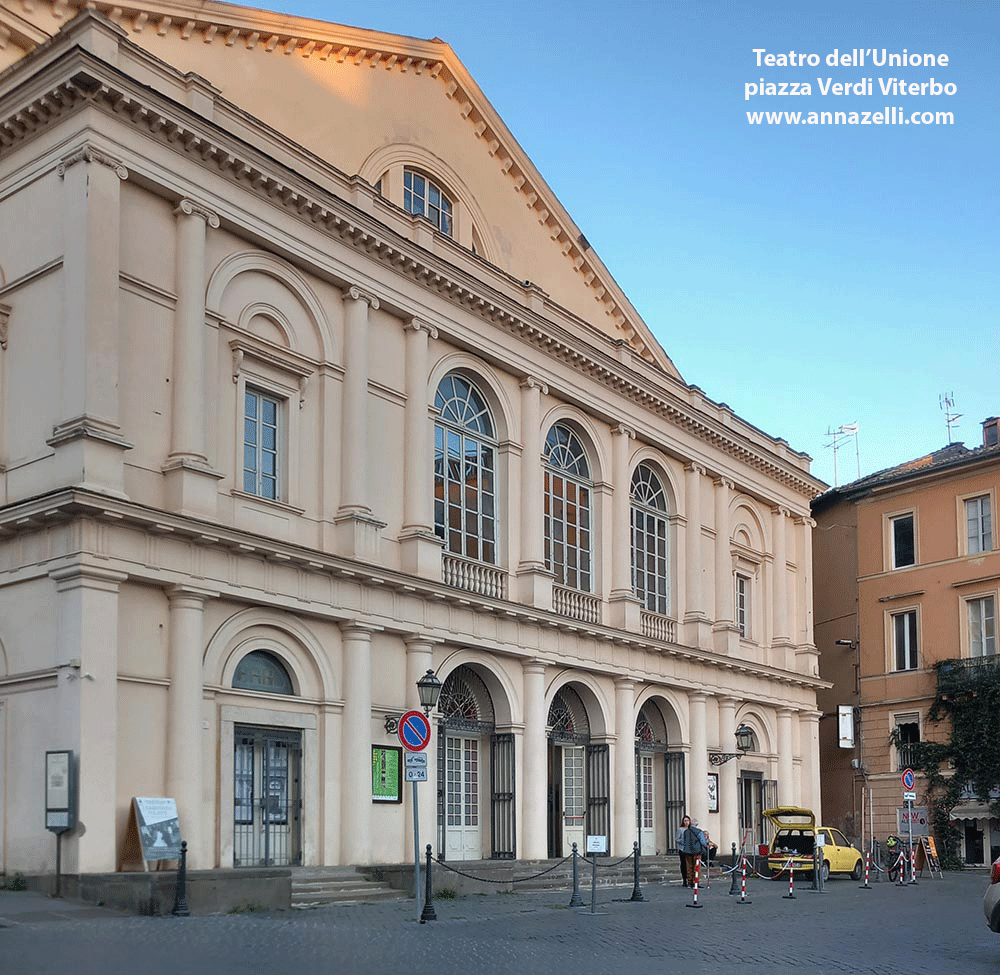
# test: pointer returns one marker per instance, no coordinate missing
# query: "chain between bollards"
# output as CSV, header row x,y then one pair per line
x,y
576,900
180,893
636,893
428,913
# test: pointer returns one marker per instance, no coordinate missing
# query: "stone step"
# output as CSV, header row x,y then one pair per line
x,y
329,886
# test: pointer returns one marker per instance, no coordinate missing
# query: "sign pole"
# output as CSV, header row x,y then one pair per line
x,y
416,850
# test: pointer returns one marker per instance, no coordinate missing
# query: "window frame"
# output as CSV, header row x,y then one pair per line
x,y
906,718
744,625
661,593
967,603
562,570
446,215
894,564
487,441
263,398
965,546
911,652
281,375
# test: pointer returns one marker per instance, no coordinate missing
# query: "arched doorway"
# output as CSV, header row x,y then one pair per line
x,y
650,745
475,807
579,779
267,796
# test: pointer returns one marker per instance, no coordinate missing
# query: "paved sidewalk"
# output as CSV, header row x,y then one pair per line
x,y
30,907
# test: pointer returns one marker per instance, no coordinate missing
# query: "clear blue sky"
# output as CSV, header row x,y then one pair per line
x,y
808,276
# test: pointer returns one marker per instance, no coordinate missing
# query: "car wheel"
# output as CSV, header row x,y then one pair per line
x,y
825,871
858,870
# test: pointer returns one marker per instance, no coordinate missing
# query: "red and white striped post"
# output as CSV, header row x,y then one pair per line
x,y
899,866
697,877
868,864
913,865
743,884
790,896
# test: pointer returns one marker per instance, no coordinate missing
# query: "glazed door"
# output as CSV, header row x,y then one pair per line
x,y
574,797
267,802
645,797
463,834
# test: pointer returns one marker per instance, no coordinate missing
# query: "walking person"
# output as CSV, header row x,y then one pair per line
x,y
692,844
679,843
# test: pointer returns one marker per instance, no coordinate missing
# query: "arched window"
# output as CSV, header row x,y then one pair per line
x,y
567,509
262,671
425,198
650,541
464,470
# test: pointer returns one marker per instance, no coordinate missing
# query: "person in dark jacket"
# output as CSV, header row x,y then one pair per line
x,y
692,844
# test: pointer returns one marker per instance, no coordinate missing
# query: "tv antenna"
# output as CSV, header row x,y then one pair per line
x,y
947,403
836,438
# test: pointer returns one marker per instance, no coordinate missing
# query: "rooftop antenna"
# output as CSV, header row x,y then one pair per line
x,y
837,437
947,403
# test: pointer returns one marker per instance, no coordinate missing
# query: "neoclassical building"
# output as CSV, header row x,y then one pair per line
x,y
309,384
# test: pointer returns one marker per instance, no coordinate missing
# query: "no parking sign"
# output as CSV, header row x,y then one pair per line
x,y
414,731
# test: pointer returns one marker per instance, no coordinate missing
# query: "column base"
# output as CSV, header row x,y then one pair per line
x,y
420,553
534,585
358,534
725,638
624,611
191,486
90,453
697,631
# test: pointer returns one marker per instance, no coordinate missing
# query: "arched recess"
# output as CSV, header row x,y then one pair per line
x,y
294,301
660,768
745,517
757,788
666,474
476,761
579,785
400,154
283,635
749,539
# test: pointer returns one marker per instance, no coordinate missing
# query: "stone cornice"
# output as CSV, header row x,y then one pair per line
x,y
93,82
75,503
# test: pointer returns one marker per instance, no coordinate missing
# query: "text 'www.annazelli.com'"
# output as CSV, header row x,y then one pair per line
x,y
888,116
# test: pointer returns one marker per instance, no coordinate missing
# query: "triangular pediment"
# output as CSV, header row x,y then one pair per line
x,y
363,100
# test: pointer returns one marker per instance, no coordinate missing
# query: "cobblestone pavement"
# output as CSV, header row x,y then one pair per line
x,y
935,927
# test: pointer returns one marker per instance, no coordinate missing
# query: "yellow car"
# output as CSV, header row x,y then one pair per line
x,y
795,838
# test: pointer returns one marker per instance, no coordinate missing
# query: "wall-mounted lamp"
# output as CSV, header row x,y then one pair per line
x,y
744,742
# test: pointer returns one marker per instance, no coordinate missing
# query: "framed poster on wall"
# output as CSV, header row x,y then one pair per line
x,y
387,773
713,792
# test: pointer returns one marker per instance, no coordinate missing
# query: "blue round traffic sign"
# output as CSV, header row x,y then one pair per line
x,y
908,780
414,731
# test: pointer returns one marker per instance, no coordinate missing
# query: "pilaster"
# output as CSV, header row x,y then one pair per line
x,y
534,581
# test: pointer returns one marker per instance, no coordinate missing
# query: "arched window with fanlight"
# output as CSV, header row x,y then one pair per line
x,y
465,470
424,197
650,541
567,514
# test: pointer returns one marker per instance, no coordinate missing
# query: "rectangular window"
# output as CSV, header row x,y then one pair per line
x,y
743,606
903,548
261,444
982,627
978,525
904,639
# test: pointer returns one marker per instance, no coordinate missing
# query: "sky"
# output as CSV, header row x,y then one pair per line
x,y
809,276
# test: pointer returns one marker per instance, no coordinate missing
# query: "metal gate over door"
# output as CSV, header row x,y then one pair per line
x,y
267,797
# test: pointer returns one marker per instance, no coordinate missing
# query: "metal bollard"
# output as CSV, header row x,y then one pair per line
x,y
636,893
790,896
428,913
734,884
180,893
697,875
576,900
743,884
593,884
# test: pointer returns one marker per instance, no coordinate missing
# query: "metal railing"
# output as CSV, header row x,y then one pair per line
x,y
475,577
953,676
658,627
576,605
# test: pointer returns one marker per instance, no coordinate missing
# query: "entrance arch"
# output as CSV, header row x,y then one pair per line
x,y
659,778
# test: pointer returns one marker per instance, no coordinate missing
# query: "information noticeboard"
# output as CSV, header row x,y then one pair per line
x,y
387,773
60,791
153,832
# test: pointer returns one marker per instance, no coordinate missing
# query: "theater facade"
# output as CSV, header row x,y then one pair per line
x,y
309,385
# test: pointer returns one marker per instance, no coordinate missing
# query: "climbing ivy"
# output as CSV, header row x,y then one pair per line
x,y
968,698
